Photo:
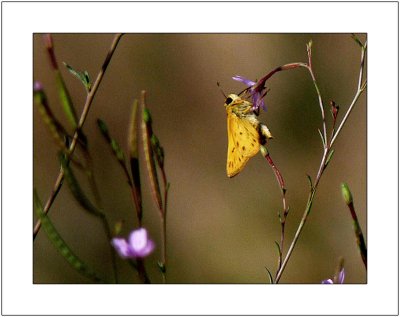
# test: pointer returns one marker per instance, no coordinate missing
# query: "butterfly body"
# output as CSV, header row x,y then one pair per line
x,y
245,133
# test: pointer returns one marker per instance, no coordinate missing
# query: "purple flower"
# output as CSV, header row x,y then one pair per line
x,y
339,279
257,93
37,86
137,246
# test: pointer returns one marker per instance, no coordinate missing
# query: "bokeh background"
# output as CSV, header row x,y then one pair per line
x,y
220,230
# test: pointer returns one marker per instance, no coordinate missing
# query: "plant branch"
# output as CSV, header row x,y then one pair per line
x,y
282,216
323,164
360,88
86,108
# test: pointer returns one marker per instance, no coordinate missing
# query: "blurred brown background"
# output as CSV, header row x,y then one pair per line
x,y
220,230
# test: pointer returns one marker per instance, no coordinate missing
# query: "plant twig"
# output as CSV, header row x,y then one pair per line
x,y
282,216
327,148
86,108
155,153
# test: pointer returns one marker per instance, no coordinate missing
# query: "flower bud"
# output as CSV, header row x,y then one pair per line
x,y
348,198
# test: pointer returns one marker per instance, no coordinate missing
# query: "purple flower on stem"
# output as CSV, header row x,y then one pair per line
x,y
339,279
257,94
137,246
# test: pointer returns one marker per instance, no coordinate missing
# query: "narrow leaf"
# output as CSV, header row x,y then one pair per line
x,y
310,181
66,100
330,155
82,76
148,152
61,245
76,189
158,150
118,153
271,280
61,87
56,129
322,138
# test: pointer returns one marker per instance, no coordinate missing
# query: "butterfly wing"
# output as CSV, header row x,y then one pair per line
x,y
243,143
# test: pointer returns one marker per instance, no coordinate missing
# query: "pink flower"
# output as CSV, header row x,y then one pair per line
x,y
137,246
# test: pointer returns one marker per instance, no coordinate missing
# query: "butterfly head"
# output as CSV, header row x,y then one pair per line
x,y
232,100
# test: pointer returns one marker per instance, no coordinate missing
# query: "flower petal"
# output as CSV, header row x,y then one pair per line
x,y
246,81
138,239
122,247
341,277
147,249
328,281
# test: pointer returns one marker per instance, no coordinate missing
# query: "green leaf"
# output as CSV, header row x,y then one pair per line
x,y
322,138
82,76
56,129
158,150
310,181
329,158
118,153
61,246
76,189
271,280
66,100
117,150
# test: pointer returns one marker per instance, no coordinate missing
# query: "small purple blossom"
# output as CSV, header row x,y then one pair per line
x,y
37,86
257,93
137,246
340,279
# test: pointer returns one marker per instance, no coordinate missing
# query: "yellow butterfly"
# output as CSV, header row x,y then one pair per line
x,y
245,133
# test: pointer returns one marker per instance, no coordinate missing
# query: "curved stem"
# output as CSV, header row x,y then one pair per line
x,y
86,108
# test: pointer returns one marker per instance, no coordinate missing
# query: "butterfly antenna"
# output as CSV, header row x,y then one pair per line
x,y
244,90
220,89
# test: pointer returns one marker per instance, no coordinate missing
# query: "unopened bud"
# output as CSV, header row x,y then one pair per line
x,y
334,109
348,198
